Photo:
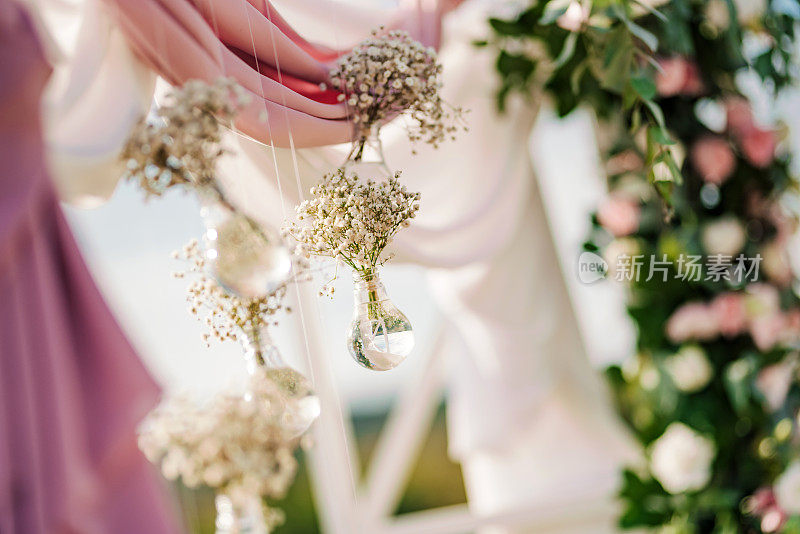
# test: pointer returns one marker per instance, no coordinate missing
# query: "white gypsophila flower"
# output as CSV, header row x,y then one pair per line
x,y
681,459
237,444
182,146
391,74
228,316
724,236
787,489
352,220
689,368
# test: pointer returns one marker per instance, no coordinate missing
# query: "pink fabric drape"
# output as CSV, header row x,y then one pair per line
x,y
206,39
250,41
71,388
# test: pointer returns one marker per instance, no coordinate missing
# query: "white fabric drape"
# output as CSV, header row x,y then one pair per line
x,y
97,93
521,382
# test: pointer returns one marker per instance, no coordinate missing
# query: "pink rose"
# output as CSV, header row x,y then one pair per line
x,y
693,84
672,76
739,116
731,314
793,322
768,330
692,321
713,159
761,501
678,76
619,215
764,504
758,146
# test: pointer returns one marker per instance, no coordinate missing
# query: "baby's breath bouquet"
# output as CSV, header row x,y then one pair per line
x,y
180,147
353,222
391,74
238,445
180,144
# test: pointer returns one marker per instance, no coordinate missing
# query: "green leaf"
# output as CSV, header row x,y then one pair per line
x,y
655,110
618,61
738,379
576,77
502,96
551,16
644,86
480,43
649,39
645,502
507,27
629,97
661,136
567,51
516,67
653,11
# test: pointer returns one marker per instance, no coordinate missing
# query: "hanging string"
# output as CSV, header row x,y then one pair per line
x,y
317,309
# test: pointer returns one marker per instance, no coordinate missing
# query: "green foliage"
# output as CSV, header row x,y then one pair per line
x,y
607,65
611,61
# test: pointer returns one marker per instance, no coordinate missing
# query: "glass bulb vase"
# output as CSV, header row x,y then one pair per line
x,y
242,515
301,405
366,159
380,336
245,258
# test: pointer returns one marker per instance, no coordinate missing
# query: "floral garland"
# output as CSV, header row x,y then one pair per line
x,y
712,392
241,445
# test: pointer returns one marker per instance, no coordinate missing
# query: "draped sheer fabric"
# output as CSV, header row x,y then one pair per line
x,y
71,388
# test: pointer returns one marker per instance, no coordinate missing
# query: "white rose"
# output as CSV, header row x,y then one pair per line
x,y
724,236
787,489
681,459
689,368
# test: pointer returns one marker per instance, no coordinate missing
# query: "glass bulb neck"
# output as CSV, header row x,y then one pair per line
x,y
260,351
368,148
367,287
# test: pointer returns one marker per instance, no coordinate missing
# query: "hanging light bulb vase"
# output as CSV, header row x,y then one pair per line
x,y
301,405
366,159
245,258
242,515
380,336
